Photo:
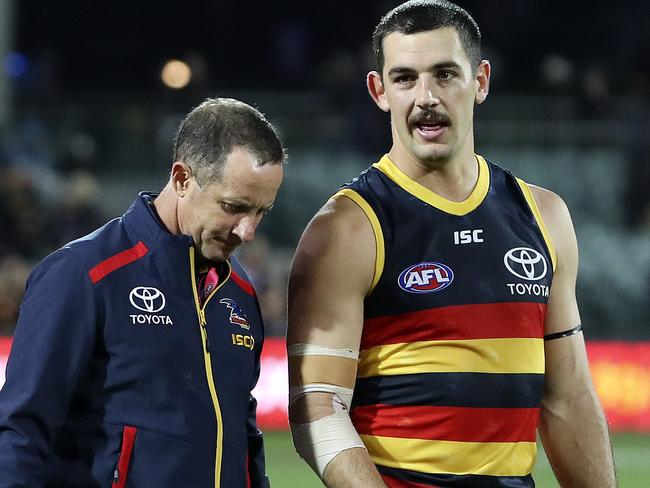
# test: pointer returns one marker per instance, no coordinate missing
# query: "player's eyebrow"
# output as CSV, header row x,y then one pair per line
x,y
400,70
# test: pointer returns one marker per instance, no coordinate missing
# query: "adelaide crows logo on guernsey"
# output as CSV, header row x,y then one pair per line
x,y
425,278
237,315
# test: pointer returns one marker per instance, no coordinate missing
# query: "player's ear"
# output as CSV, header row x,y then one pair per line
x,y
483,81
180,177
376,89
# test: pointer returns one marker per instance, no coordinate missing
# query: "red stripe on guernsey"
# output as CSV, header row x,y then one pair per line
x,y
395,483
243,284
477,321
107,266
122,470
462,424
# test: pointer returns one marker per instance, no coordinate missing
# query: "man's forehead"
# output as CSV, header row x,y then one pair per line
x,y
245,181
430,46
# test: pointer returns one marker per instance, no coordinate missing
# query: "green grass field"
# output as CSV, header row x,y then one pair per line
x,y
632,453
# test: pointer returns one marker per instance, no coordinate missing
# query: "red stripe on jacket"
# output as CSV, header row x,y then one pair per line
x,y
464,424
122,470
474,321
248,470
243,284
107,266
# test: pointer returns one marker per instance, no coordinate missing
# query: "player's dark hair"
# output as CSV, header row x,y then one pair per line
x,y
211,131
424,15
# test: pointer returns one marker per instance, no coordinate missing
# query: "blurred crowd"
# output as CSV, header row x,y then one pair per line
x,y
33,224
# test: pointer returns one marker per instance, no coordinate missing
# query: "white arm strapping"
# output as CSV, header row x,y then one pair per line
x,y
344,394
320,441
314,350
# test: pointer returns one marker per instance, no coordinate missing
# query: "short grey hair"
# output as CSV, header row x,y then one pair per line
x,y
212,130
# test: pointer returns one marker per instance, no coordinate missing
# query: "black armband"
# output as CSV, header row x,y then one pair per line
x,y
566,333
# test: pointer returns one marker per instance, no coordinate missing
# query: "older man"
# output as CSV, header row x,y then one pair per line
x,y
138,345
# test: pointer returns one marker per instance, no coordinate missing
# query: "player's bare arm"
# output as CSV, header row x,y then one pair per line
x,y
333,269
573,428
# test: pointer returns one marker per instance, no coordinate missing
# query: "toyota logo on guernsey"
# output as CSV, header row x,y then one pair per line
x,y
147,299
525,263
425,278
151,300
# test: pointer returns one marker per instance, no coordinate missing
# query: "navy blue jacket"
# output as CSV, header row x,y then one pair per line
x,y
118,377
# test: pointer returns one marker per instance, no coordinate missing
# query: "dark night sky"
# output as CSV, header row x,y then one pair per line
x,y
121,45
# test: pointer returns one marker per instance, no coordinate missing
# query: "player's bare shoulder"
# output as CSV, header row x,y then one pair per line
x,y
557,219
338,244
332,271
339,228
341,211
550,204
552,207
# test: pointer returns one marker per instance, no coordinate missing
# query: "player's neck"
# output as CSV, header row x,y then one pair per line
x,y
453,178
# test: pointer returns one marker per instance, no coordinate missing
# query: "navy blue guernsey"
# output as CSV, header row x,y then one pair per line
x,y
451,364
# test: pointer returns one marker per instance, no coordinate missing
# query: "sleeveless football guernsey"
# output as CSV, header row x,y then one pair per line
x,y
451,365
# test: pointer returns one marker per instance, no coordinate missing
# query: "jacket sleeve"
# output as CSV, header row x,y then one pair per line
x,y
256,463
54,338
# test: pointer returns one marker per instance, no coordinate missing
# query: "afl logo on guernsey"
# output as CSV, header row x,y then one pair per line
x,y
425,278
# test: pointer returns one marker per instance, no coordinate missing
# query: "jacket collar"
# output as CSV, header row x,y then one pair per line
x,y
142,220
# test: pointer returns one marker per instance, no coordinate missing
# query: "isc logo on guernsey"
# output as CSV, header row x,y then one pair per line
x,y
425,278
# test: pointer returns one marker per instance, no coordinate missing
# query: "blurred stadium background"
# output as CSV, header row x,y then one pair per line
x,y
90,95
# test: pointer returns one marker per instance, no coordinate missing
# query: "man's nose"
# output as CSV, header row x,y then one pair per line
x,y
245,228
427,96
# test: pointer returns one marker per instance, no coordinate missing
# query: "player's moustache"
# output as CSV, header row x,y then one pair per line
x,y
429,117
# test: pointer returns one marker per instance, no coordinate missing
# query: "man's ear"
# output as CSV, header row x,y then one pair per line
x,y
376,90
180,177
483,81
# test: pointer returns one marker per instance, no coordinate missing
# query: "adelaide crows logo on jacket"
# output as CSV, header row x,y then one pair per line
x,y
237,315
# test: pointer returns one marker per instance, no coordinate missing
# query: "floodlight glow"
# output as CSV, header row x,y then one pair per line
x,y
176,74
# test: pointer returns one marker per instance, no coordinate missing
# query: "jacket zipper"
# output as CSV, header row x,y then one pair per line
x,y
200,311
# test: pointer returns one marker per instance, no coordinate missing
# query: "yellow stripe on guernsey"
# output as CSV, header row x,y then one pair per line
x,y
451,457
208,364
528,194
454,356
376,228
386,166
